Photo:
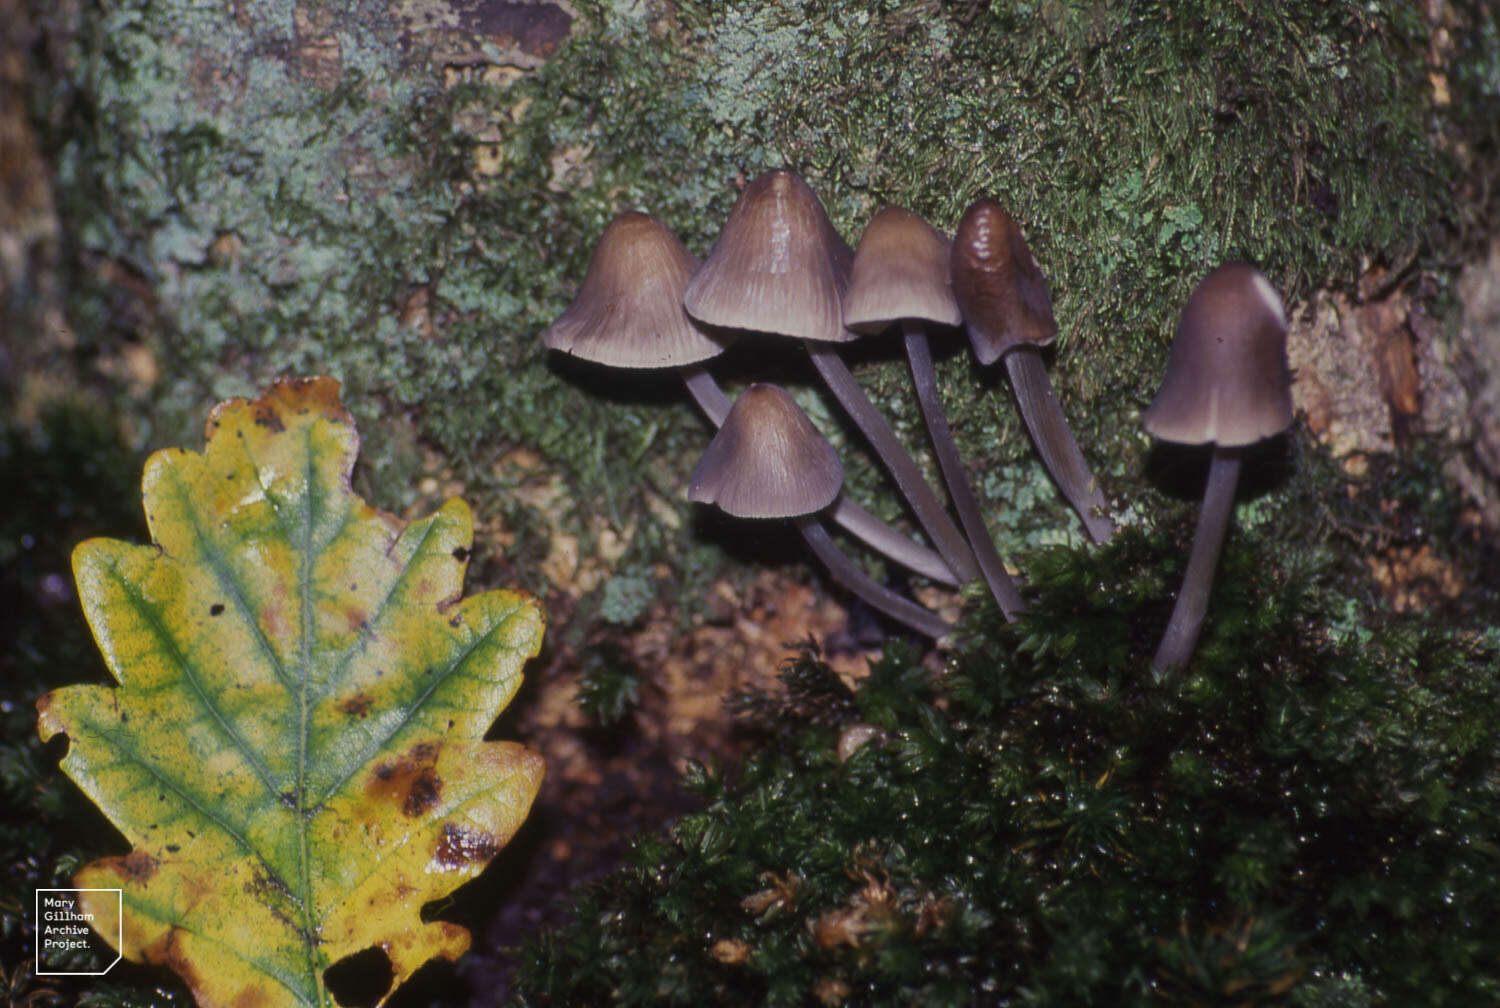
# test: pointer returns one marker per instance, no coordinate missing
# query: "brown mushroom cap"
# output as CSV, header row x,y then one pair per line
x,y
1227,378
778,266
629,313
1002,292
768,460
900,272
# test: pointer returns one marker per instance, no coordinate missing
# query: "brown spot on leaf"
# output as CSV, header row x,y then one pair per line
x,y
458,847
170,951
138,866
425,791
192,888
265,415
460,554
410,781
355,617
252,997
357,705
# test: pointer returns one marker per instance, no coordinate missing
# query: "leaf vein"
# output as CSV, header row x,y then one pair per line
x,y
417,704
367,630
121,742
168,643
226,577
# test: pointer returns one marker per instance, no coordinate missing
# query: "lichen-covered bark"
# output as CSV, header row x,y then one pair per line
x,y
404,195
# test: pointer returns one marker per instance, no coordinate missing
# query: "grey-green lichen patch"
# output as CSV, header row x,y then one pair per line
x,y
303,188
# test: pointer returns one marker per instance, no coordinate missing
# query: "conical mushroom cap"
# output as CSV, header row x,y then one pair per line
x,y
1000,289
629,313
900,272
768,460
778,266
1227,378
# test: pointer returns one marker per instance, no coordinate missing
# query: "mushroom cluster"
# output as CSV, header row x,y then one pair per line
x,y
780,269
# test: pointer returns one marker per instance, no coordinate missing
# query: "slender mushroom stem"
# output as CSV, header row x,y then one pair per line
x,y
707,393
1055,442
855,520
1208,538
857,581
889,542
877,430
1002,588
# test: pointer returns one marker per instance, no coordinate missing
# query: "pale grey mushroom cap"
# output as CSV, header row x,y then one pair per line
x,y
1002,291
900,272
768,460
1227,379
629,313
779,265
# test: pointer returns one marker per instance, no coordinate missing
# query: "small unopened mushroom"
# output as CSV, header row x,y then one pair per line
x,y
1008,312
901,275
769,461
629,314
780,267
1227,383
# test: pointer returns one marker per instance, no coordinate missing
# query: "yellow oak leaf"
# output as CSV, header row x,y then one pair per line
x,y
295,749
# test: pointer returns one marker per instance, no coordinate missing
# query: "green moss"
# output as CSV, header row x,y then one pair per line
x,y
1299,819
608,683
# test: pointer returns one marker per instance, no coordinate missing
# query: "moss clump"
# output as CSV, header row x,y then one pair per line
x,y
1298,820
608,684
